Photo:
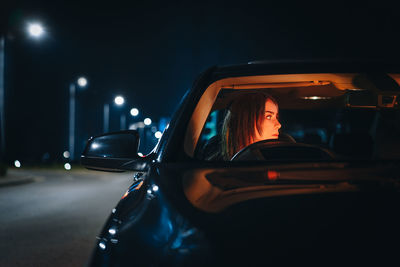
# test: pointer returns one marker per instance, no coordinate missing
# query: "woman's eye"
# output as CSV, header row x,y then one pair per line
x,y
268,117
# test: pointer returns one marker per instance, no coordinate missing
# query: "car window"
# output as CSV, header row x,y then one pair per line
x,y
346,125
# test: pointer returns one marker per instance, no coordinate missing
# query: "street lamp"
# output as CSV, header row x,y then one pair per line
x,y
158,134
35,30
134,112
147,121
2,117
81,82
119,101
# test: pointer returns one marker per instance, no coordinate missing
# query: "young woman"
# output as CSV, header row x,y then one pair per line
x,y
251,118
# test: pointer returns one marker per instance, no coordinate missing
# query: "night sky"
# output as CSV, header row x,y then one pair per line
x,y
151,51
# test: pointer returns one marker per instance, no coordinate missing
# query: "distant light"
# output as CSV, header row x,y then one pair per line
x,y
66,154
112,231
272,175
140,154
315,97
102,245
158,134
17,164
147,121
149,191
136,125
119,100
134,112
82,82
155,188
35,30
67,166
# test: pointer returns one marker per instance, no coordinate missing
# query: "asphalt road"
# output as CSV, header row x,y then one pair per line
x,y
54,220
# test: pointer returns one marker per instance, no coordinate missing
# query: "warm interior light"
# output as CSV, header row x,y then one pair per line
x,y
315,97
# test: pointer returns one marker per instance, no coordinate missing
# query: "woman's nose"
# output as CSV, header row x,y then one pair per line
x,y
278,124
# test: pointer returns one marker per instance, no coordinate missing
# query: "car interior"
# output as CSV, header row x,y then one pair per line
x,y
324,116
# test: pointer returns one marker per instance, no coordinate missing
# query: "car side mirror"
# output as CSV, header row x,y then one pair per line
x,y
116,152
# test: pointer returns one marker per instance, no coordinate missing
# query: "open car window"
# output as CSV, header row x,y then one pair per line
x,y
328,116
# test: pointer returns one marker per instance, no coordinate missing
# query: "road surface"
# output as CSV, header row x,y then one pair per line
x,y
54,220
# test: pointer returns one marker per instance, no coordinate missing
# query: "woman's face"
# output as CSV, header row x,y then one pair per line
x,y
270,125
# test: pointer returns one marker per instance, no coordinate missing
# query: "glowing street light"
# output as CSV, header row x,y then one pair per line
x,y
134,112
82,82
158,134
66,154
147,121
35,30
119,100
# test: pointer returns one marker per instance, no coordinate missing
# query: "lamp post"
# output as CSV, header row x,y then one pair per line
x,y
82,83
35,30
2,133
119,101
106,117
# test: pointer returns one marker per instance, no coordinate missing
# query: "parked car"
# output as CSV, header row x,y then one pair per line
x,y
326,188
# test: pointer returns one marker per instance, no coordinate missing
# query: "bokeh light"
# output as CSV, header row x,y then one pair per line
x,y
35,30
119,100
147,121
66,154
134,112
17,164
67,166
158,134
82,81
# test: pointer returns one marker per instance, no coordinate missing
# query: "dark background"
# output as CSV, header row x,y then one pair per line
x,y
151,51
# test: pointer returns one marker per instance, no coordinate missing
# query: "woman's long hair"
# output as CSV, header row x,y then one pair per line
x,y
238,130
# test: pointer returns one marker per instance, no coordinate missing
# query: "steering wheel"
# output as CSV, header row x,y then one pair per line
x,y
282,150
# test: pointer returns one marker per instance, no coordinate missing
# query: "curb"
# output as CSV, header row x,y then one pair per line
x,y
15,181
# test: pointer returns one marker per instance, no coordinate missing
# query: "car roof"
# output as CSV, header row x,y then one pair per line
x,y
306,66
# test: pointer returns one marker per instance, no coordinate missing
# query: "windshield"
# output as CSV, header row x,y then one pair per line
x,y
301,124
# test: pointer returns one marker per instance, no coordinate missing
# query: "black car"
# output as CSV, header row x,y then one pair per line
x,y
325,190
